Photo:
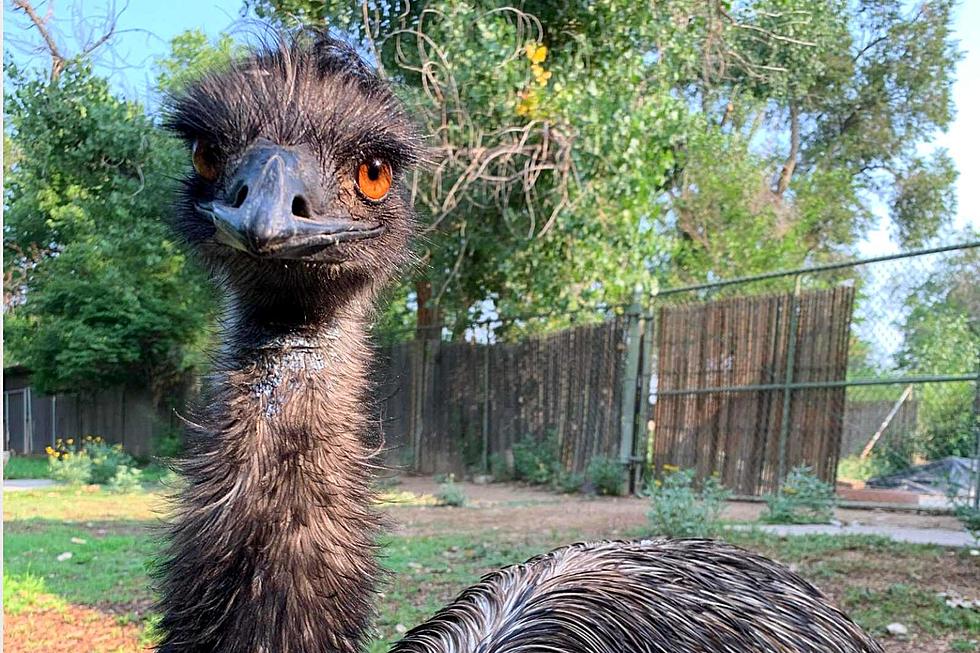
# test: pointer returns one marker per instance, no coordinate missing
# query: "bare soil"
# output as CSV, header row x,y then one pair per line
x,y
514,509
75,629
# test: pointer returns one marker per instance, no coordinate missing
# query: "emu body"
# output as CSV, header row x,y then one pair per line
x,y
298,206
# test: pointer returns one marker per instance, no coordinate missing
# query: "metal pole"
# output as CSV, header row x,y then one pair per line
x,y
787,386
485,462
976,437
627,415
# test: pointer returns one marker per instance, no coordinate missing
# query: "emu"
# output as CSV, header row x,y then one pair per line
x,y
297,206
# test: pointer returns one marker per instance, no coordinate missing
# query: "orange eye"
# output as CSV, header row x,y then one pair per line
x,y
205,161
374,179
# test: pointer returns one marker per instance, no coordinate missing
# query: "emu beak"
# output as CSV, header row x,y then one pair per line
x,y
271,213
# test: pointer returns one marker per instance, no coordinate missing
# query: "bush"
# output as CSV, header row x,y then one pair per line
x,y
536,461
499,468
450,494
125,480
677,509
606,475
106,459
805,499
568,482
69,464
91,461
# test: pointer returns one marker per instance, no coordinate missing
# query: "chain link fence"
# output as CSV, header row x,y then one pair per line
x,y
867,367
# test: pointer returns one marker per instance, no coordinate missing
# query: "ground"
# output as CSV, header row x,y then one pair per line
x,y
97,599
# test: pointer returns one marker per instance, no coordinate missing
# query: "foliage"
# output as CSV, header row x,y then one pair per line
x,y
499,468
169,444
605,475
804,499
192,54
536,461
724,139
69,464
106,459
92,460
450,494
567,482
678,509
942,330
104,296
126,480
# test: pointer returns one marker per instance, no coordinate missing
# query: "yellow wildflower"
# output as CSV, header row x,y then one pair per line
x,y
49,450
71,441
671,468
536,53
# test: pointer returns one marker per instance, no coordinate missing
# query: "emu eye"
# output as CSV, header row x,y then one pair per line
x,y
374,179
205,161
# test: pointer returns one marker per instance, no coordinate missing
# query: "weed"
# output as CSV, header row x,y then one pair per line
x,y
126,480
499,468
606,475
805,499
450,494
536,461
568,482
678,509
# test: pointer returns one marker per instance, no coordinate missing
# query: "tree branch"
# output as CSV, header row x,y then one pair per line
x,y
57,60
794,150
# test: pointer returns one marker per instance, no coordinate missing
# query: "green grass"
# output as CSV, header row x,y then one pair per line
x,y
877,581
26,467
104,568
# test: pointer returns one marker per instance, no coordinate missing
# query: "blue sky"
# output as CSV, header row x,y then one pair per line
x,y
155,22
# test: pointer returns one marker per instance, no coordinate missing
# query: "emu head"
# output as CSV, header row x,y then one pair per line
x,y
297,199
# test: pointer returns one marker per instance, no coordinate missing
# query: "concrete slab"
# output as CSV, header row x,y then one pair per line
x,y
939,536
22,484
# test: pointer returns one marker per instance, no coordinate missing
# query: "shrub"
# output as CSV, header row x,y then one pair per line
x,y
125,480
450,494
805,499
91,461
536,461
69,464
568,482
106,459
499,468
606,475
677,509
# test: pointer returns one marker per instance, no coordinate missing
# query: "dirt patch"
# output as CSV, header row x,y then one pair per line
x,y
505,508
69,629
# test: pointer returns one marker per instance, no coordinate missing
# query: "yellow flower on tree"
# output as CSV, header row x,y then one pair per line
x,y
536,53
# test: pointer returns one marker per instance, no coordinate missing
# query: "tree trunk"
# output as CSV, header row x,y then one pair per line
x,y
428,321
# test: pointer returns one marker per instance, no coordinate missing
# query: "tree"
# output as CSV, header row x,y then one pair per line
x,y
942,336
593,147
104,295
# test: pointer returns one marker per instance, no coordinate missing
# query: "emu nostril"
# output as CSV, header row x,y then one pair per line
x,y
301,207
240,197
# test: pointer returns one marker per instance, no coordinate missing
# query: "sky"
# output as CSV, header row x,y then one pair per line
x,y
152,23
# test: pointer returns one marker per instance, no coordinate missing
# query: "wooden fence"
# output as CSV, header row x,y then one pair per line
x,y
126,416
453,407
746,342
448,407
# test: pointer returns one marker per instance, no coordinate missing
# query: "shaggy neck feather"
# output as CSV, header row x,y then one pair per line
x,y
272,550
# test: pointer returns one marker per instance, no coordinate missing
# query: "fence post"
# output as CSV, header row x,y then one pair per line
x,y
485,461
648,352
976,436
794,322
627,415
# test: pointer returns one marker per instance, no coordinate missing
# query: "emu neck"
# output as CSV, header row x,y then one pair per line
x,y
273,547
